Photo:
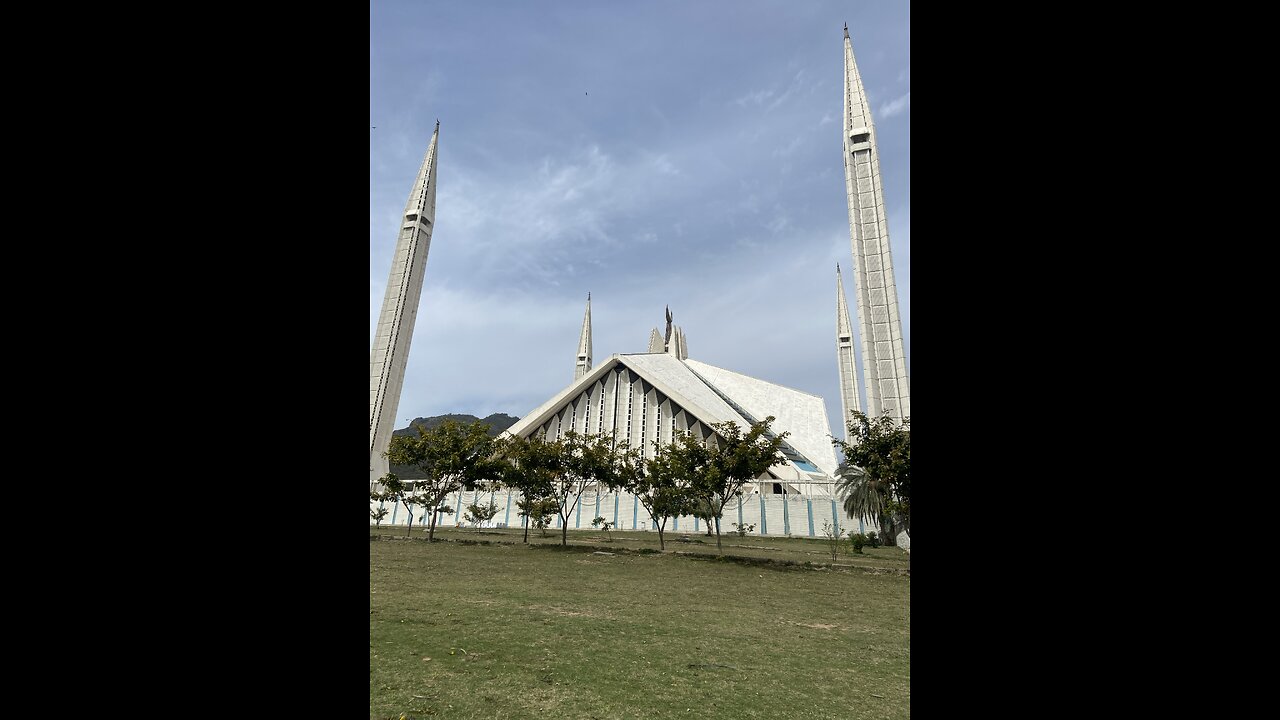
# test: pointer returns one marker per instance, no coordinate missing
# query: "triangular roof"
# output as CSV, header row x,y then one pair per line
x,y
661,370
802,414
706,392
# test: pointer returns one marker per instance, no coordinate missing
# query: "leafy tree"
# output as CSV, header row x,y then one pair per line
x,y
875,477
539,512
441,510
655,483
479,514
452,457
719,469
530,466
584,460
397,490
701,509
381,511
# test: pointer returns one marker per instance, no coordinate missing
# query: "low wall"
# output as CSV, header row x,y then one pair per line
x,y
797,515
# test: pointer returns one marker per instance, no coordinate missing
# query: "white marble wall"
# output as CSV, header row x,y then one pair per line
x,y
632,515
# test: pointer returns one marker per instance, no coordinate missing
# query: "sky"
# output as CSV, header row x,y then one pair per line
x,y
682,154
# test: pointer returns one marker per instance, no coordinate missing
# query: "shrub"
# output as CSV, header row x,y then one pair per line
x,y
872,539
603,524
831,533
858,540
742,530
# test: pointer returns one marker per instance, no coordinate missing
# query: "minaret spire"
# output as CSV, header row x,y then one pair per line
x,y
845,358
673,342
390,353
583,363
884,360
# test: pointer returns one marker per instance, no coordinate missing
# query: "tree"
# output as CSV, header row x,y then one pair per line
x,y
655,483
875,477
701,509
397,490
584,460
478,514
540,512
529,465
381,511
452,456
719,469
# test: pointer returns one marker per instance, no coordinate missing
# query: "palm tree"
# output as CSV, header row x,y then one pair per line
x,y
867,498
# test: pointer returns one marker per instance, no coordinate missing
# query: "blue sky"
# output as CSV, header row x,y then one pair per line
x,y
662,153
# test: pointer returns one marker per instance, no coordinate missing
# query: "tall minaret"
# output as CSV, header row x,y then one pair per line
x,y
399,311
884,361
845,359
583,365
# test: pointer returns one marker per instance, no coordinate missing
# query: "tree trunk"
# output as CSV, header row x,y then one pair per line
x,y
409,508
526,529
661,544
431,531
564,532
888,531
718,548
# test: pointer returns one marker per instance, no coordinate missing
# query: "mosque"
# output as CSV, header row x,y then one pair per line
x,y
643,397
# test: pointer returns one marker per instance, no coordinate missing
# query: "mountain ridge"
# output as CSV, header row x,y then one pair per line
x,y
497,423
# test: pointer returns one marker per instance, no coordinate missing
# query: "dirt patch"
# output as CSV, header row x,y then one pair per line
x,y
563,612
815,626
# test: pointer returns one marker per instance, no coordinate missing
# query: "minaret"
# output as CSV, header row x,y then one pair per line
x,y
655,341
583,365
845,359
884,361
399,311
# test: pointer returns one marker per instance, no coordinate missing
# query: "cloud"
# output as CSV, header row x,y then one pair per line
x,y
663,165
786,151
796,83
895,106
715,187
755,97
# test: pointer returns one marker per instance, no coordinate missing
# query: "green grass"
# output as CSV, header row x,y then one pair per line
x,y
516,631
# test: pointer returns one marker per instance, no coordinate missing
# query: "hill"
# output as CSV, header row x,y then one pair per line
x,y
497,422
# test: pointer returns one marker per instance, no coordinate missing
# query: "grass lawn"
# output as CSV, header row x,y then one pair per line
x,y
512,631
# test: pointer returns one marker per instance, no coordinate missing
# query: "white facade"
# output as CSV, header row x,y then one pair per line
x,y
794,515
644,398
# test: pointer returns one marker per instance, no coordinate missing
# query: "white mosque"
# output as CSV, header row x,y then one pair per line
x,y
643,397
